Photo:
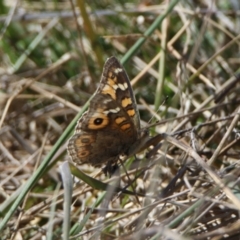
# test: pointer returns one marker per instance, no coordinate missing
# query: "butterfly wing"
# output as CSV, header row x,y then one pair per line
x,y
111,124
115,83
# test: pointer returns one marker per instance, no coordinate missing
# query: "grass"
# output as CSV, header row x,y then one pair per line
x,y
183,59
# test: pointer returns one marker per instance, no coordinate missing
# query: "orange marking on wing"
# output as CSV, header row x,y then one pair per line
x,y
126,102
131,112
83,155
119,120
125,126
111,82
109,90
98,116
84,140
111,74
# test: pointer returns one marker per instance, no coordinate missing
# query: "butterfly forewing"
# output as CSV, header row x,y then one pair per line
x,y
115,82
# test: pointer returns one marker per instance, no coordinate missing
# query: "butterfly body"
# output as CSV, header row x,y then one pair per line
x,y
111,126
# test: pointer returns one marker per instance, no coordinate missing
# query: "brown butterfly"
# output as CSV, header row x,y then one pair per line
x,y
111,126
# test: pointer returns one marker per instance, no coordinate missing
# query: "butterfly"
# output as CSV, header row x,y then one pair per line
x,y
111,126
